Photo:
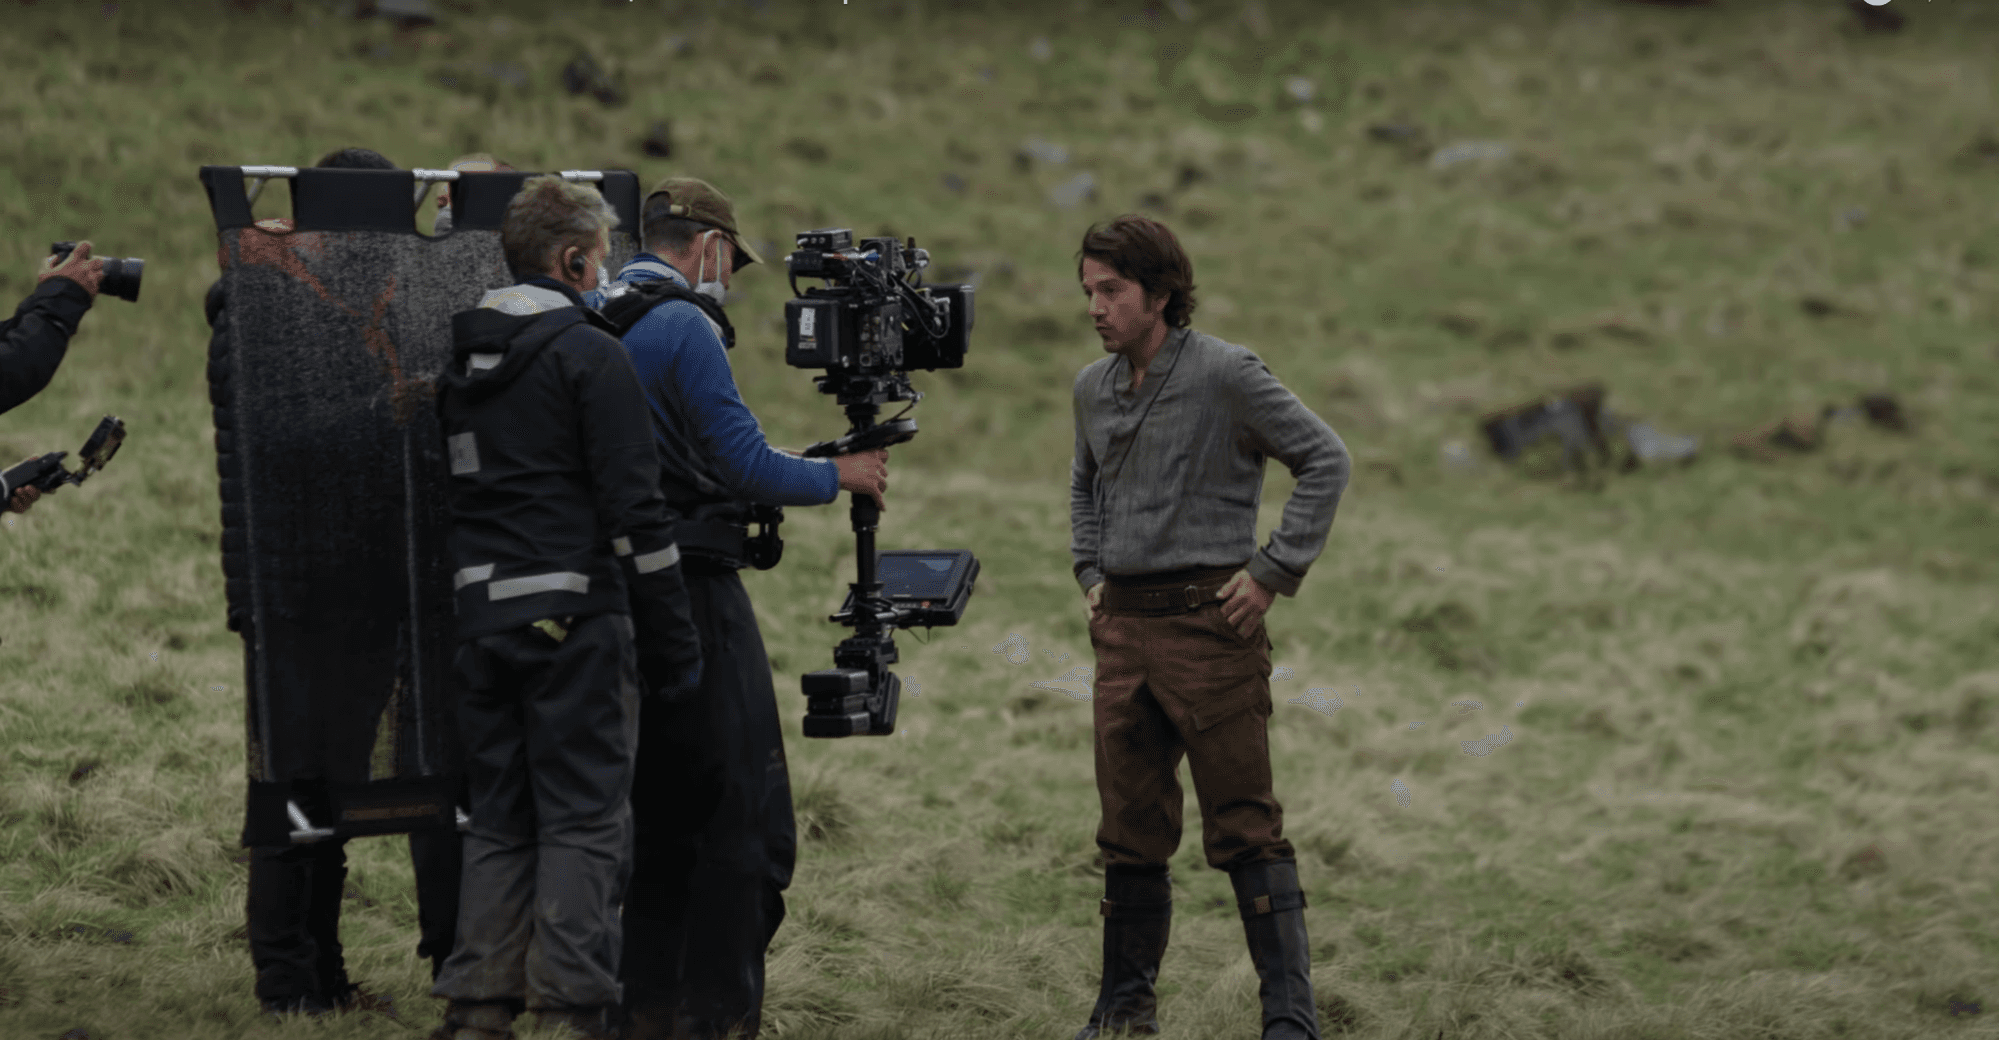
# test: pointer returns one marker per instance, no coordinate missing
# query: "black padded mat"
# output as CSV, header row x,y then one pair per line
x,y
338,330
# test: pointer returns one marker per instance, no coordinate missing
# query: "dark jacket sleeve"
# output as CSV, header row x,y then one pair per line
x,y
624,471
235,541
37,337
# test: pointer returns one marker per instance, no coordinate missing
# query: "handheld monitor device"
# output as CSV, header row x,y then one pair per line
x,y
926,586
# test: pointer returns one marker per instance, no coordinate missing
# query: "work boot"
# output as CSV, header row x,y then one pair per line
x,y
1138,915
590,1022
478,1021
1273,919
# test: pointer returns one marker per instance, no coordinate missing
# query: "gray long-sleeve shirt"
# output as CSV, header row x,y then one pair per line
x,y
1170,477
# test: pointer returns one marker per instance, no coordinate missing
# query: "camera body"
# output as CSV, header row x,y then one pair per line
x,y
869,319
121,274
47,472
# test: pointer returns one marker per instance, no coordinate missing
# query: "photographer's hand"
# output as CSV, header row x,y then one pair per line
x,y
81,268
24,496
865,473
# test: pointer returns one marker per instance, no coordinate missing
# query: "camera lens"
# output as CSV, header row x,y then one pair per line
x,y
121,278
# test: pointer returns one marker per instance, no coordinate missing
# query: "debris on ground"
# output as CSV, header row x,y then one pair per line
x,y
1040,50
1649,446
658,143
1884,411
1042,149
1300,89
1797,432
1074,191
1468,151
1570,415
583,75
1456,455
1804,431
954,184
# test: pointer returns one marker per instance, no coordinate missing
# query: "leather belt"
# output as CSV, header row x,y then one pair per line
x,y
1179,594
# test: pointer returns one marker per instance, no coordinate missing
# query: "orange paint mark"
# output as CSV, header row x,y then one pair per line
x,y
273,244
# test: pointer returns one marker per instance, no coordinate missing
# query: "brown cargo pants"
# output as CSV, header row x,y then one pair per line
x,y
1173,680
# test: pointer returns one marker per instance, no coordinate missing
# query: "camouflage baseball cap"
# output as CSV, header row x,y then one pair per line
x,y
694,199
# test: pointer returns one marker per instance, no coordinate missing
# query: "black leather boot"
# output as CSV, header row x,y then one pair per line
x,y
1138,914
1273,918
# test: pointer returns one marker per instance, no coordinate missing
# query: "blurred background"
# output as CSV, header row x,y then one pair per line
x,y
1706,707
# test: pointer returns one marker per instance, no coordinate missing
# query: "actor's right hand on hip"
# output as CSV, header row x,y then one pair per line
x,y
79,267
865,473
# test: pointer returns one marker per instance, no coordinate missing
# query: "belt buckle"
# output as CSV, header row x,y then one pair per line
x,y
1193,597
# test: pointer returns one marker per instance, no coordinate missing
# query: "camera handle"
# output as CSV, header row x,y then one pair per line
x,y
45,472
893,432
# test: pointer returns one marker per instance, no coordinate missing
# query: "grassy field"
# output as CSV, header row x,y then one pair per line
x,y
1743,783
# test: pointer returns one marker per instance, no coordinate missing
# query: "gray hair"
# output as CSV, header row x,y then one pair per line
x,y
550,215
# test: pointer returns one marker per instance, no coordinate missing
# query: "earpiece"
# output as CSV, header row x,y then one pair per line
x,y
576,265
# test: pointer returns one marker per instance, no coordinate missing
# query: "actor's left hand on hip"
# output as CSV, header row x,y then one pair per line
x,y
1244,601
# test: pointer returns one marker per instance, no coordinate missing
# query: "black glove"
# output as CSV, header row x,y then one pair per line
x,y
669,646
667,680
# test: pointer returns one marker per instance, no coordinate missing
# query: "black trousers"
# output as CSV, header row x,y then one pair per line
x,y
715,839
549,729
294,911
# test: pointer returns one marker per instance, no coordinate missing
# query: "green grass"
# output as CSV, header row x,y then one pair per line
x,y
1749,790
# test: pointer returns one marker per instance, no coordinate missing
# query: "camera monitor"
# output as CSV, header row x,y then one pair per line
x,y
928,587
334,333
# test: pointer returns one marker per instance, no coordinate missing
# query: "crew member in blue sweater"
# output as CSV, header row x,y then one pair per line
x,y
712,800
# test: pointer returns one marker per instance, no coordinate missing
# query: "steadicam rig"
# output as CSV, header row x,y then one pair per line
x,y
870,324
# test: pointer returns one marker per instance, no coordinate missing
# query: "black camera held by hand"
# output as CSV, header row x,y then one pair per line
x,y
867,328
121,274
47,472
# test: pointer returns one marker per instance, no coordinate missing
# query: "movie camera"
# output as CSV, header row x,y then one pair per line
x,y
870,324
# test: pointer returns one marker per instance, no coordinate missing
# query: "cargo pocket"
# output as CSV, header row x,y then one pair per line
x,y
1240,684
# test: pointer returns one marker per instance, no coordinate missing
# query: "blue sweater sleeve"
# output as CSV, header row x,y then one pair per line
x,y
676,352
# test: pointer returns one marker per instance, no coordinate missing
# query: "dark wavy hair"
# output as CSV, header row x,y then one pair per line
x,y
1145,251
355,159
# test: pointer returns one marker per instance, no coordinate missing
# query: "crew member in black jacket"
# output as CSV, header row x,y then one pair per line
x,y
563,545
33,342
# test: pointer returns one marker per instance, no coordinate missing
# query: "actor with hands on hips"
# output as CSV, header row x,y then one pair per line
x,y
716,841
1172,430
569,594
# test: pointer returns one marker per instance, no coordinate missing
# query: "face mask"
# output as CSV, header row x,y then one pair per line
x,y
712,290
443,221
